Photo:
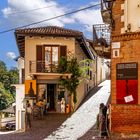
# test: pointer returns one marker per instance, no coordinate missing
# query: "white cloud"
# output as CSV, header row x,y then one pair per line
x,y
54,9
89,18
11,55
85,18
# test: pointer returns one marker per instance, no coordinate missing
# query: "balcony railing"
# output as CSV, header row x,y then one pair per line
x,y
41,67
101,39
101,32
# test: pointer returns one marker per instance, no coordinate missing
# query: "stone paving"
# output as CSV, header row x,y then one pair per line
x,y
40,128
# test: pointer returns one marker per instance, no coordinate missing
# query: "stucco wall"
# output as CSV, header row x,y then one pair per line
x,y
31,42
131,14
72,46
84,86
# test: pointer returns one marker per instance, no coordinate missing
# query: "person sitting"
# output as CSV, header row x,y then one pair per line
x,y
36,111
41,106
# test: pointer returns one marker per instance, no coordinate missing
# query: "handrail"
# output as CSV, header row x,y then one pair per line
x,y
101,31
42,67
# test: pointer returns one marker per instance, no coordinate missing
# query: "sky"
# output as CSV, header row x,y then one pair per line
x,y
17,13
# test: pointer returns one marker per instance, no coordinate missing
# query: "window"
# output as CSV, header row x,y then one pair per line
x,y
116,53
48,57
51,55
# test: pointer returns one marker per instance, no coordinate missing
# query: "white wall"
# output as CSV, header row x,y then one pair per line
x,y
131,15
20,94
20,67
102,70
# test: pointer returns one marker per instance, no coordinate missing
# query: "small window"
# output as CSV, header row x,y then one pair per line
x,y
116,53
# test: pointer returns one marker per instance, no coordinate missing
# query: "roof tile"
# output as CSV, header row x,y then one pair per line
x,y
49,30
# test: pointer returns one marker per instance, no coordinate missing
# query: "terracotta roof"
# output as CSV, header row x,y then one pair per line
x,y
53,31
49,30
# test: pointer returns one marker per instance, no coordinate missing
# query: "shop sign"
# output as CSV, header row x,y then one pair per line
x,y
30,87
127,71
116,45
127,83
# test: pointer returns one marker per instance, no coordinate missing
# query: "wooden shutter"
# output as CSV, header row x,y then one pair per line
x,y
40,58
23,76
63,50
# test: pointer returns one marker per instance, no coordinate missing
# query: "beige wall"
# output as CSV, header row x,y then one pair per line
x,y
31,42
131,15
30,55
82,88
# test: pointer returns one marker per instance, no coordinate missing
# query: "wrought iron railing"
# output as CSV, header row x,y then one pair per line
x,y
101,33
42,67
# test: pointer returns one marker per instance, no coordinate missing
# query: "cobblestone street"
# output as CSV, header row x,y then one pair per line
x,y
40,128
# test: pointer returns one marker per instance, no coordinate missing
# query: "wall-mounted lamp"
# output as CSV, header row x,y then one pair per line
x,y
129,27
108,4
106,10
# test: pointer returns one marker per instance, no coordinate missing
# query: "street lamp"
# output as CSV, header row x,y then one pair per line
x,y
108,4
106,11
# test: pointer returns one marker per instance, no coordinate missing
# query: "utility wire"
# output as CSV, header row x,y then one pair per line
x,y
62,15
21,12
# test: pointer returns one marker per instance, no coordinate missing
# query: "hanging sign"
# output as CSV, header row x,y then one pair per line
x,y
30,87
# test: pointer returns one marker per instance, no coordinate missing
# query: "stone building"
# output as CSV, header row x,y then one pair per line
x,y
124,18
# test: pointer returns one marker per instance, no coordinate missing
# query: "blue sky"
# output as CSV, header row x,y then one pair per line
x,y
82,21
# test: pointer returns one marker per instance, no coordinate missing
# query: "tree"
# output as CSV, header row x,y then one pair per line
x,y
78,73
85,68
2,67
7,78
5,97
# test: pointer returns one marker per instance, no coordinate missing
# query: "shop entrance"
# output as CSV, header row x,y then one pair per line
x,y
51,88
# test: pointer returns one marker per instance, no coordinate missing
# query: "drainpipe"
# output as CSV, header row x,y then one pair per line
x,y
96,69
126,14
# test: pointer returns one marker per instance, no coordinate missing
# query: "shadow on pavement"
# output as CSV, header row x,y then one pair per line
x,y
90,94
40,128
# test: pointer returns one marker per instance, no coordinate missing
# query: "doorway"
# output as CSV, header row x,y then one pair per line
x,y
51,88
